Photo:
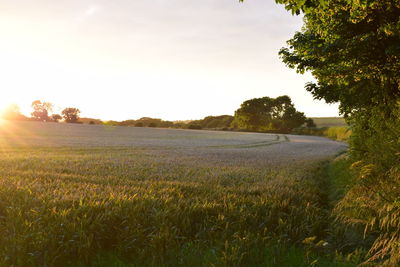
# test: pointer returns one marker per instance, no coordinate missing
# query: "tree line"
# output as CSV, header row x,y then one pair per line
x,y
42,111
258,115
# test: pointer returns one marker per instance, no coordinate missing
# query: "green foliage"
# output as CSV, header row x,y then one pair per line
x,y
376,137
71,115
268,114
352,47
373,201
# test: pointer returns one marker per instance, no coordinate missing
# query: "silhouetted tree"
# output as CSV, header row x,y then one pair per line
x,y
41,110
56,117
71,115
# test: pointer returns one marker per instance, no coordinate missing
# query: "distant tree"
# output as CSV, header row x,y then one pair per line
x,y
41,110
71,115
149,122
56,117
90,121
12,112
268,114
310,123
139,124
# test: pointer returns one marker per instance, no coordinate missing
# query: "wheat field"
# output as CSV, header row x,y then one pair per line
x,y
90,195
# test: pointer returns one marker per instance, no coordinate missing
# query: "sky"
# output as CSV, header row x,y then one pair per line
x,y
168,59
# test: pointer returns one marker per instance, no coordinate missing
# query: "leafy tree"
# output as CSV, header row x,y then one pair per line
x,y
71,115
41,110
268,114
352,48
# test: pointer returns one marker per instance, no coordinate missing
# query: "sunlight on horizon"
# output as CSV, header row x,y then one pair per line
x,y
178,60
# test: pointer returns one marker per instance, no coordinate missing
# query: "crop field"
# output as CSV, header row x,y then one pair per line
x,y
92,195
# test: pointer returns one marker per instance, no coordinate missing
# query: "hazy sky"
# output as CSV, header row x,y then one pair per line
x,y
169,59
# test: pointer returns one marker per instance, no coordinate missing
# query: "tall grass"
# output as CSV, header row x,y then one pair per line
x,y
120,206
338,133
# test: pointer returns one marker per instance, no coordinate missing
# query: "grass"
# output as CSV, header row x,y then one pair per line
x,y
338,133
63,203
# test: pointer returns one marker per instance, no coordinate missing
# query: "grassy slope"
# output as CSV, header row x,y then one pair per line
x,y
109,205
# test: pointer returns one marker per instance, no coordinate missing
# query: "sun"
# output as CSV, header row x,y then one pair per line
x,y
3,105
9,111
